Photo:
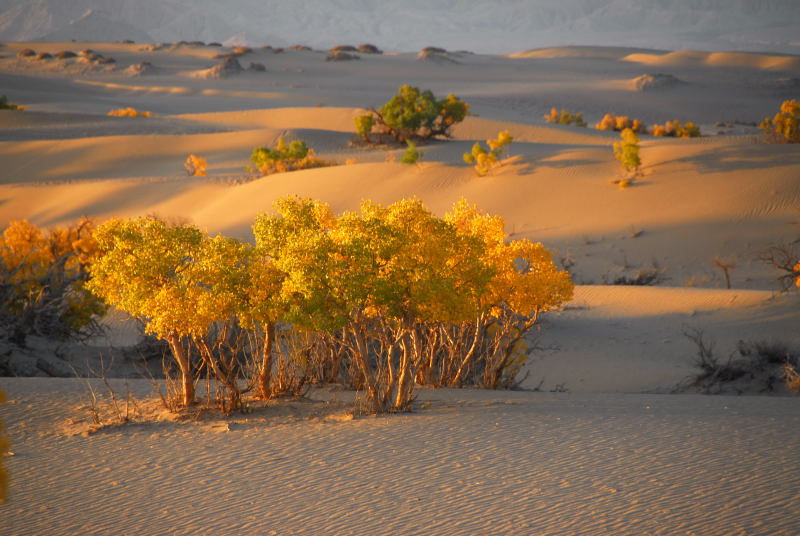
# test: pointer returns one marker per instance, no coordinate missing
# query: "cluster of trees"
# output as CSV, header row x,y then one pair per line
x,y
42,281
412,115
381,299
784,126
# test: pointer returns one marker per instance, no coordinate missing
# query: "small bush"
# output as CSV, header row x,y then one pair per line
x,y
195,166
130,112
415,114
564,118
484,161
285,157
364,124
26,53
762,365
627,151
5,105
784,126
620,123
412,155
675,129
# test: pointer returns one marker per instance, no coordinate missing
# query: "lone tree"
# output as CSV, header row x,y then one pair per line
x,y
627,151
413,114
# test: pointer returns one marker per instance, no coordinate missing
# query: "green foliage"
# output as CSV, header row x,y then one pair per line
x,y
364,124
485,160
411,155
626,151
42,278
285,157
784,126
6,105
564,118
415,114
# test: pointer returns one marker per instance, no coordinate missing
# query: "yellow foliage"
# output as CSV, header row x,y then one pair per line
x,y
195,166
36,264
484,161
676,130
627,152
797,278
130,112
784,127
620,123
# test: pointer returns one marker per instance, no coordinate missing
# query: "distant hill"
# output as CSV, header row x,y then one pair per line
x,y
501,26
99,27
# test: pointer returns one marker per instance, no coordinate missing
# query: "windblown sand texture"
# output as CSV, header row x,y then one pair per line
x,y
614,454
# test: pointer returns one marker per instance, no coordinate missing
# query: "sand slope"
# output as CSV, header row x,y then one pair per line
x,y
470,463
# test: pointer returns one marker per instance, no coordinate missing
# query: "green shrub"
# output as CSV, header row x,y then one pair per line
x,y
415,114
564,118
412,155
364,124
627,151
285,157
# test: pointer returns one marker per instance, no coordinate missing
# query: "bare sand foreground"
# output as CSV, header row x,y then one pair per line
x,y
602,458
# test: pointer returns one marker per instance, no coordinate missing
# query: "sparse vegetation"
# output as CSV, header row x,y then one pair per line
x,y
364,124
130,112
285,157
786,258
195,166
784,126
412,155
762,364
5,105
626,151
485,160
620,123
564,118
417,115
675,129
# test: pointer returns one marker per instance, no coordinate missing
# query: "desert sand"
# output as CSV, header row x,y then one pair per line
x,y
597,444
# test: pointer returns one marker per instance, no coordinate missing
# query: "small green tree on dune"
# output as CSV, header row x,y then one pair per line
x,y
413,114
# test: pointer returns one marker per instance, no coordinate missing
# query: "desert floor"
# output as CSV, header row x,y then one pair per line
x,y
613,454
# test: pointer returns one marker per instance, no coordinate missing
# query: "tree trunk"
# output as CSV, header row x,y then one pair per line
x,y
187,378
265,373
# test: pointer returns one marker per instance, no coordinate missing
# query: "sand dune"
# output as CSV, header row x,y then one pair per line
x,y
737,60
